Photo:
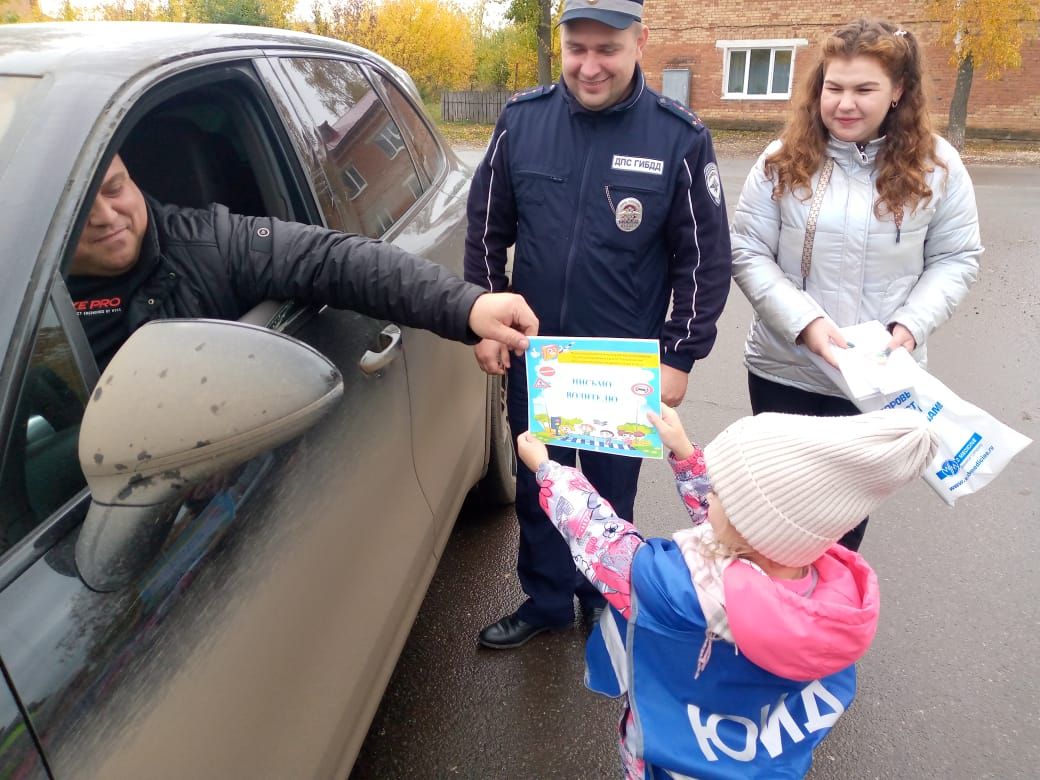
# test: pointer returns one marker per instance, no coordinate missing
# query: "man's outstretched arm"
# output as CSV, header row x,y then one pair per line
x,y
316,265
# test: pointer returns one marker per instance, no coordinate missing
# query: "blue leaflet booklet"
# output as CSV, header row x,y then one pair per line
x,y
593,394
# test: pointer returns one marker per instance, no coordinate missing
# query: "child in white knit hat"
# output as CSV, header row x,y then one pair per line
x,y
734,642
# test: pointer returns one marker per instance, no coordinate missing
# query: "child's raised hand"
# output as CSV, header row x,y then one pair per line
x,y
531,451
672,433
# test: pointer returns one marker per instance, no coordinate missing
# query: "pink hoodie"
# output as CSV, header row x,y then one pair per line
x,y
804,637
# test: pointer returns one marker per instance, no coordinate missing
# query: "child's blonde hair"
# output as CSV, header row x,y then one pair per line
x,y
714,548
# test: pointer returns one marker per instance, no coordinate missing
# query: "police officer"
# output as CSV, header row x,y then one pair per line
x,y
612,197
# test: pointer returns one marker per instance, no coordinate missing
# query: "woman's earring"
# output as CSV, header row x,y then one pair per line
x,y
895,103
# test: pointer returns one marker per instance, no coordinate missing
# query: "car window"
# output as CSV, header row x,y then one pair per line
x,y
372,176
428,153
192,149
41,466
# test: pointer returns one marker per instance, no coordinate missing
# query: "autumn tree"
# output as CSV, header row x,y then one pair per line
x,y
348,20
13,11
433,41
536,16
264,13
140,11
505,59
987,34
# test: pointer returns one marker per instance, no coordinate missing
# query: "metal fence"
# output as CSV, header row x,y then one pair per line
x,y
472,106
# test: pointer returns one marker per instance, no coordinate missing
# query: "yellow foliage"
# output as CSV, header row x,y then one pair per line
x,y
433,41
270,13
137,11
990,31
12,11
523,55
506,59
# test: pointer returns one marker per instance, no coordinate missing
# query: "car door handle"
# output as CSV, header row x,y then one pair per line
x,y
374,362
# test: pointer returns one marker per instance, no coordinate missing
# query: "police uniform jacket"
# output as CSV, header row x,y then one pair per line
x,y
615,215
212,263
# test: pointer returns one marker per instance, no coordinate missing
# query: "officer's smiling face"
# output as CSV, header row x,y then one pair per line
x,y
599,61
111,240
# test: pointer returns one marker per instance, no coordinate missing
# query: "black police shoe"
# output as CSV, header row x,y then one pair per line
x,y
509,632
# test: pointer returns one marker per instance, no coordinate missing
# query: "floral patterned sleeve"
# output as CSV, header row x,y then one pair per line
x,y
602,544
691,480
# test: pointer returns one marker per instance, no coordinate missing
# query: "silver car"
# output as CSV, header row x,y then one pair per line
x,y
248,626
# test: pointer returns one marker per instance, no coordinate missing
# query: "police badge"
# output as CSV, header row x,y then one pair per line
x,y
628,215
713,182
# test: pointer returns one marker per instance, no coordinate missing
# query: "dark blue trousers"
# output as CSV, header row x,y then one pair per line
x,y
544,563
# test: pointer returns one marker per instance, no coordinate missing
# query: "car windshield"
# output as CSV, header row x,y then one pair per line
x,y
18,94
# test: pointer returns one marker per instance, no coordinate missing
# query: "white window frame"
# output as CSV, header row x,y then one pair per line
x,y
773,45
356,179
389,139
384,219
414,186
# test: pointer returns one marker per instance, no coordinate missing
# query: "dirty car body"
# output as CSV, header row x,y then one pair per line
x,y
256,632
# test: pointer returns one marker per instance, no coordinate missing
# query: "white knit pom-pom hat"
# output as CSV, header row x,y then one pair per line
x,y
793,485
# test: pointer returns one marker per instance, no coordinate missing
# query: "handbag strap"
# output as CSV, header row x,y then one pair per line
x,y
814,213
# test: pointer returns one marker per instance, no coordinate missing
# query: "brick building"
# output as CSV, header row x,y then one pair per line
x,y
736,61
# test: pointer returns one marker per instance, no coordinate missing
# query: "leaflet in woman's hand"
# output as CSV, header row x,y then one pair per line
x,y
862,371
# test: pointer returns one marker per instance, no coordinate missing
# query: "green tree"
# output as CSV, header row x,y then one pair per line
x,y
536,16
263,13
985,34
505,59
140,11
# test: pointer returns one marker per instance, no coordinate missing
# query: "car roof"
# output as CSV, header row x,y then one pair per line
x,y
124,49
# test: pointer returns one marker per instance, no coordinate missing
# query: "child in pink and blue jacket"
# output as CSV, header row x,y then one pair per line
x,y
734,642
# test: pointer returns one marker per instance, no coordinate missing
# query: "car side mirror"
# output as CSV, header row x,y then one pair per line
x,y
181,401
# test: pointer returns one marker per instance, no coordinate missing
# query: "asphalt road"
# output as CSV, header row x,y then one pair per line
x,y
950,688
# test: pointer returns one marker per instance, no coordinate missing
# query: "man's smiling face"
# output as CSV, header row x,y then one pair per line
x,y
599,61
111,240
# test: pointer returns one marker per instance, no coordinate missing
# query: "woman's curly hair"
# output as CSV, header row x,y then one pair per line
x,y
909,151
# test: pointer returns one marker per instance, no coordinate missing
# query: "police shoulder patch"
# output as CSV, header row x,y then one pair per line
x,y
681,111
532,93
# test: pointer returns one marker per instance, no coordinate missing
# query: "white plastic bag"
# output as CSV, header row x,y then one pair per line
x,y
973,445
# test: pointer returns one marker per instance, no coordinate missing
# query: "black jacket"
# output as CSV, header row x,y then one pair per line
x,y
211,263
616,215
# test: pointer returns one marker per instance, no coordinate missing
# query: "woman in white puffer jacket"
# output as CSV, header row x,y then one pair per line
x,y
858,212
